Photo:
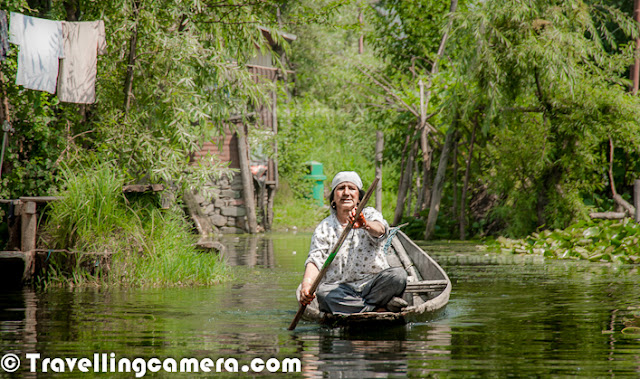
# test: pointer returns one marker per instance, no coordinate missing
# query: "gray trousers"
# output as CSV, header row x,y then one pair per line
x,y
344,299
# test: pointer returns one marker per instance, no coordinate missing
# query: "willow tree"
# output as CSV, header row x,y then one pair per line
x,y
549,77
411,37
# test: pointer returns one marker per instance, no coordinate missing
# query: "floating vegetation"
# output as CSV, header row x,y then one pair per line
x,y
632,322
631,330
596,241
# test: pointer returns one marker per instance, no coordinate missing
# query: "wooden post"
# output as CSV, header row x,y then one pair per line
x,y
15,240
271,194
29,229
635,69
274,115
6,124
361,39
379,148
636,198
271,189
247,181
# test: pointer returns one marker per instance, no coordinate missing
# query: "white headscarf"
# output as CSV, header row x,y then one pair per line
x,y
346,176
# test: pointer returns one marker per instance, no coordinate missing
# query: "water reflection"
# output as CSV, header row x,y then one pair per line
x,y
18,322
374,353
515,318
251,250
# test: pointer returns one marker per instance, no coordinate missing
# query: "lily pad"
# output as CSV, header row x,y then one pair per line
x,y
631,330
591,232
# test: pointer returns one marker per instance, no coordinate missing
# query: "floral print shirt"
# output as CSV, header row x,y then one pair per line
x,y
360,257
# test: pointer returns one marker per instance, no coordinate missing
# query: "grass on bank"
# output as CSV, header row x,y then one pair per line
x,y
149,246
292,213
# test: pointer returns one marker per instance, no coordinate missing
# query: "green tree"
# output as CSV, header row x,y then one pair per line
x,y
326,119
550,79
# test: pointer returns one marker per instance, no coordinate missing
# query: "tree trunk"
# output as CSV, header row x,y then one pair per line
x,y
425,191
462,222
419,194
403,172
405,184
72,9
424,105
247,181
403,156
635,69
128,81
272,188
379,149
454,206
413,188
636,199
361,39
271,193
438,184
426,180
622,203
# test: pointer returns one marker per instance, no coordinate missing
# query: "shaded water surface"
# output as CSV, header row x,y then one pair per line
x,y
508,316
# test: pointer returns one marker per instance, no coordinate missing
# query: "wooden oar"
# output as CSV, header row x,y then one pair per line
x,y
327,263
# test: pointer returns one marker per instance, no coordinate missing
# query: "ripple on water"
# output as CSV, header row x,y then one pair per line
x,y
505,318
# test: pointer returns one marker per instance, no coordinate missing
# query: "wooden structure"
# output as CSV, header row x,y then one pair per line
x,y
18,263
428,290
241,201
636,199
23,229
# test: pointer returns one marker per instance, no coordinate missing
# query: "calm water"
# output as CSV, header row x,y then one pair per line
x,y
507,317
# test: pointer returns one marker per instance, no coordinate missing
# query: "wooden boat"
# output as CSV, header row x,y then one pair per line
x,y
427,292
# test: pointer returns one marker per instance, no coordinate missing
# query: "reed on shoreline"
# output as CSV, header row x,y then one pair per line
x,y
149,246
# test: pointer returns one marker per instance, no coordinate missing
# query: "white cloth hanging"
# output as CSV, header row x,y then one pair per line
x,y
40,47
83,41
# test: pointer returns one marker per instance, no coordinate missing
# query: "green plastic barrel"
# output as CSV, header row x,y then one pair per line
x,y
317,178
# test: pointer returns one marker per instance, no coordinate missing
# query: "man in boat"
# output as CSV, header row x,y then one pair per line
x,y
359,279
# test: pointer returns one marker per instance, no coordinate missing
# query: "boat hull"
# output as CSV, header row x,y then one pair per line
x,y
426,301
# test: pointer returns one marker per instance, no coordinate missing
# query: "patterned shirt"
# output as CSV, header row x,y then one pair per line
x,y
360,257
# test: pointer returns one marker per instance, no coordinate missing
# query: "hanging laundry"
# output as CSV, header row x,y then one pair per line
x,y
4,36
83,41
40,43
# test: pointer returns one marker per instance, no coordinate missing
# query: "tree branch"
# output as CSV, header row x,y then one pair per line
x,y
523,109
390,92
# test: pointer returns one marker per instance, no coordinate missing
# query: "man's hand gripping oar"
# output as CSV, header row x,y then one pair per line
x,y
331,256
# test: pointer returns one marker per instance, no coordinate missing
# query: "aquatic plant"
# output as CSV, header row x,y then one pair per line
x,y
596,241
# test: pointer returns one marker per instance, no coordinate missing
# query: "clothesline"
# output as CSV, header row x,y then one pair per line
x,y
55,56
